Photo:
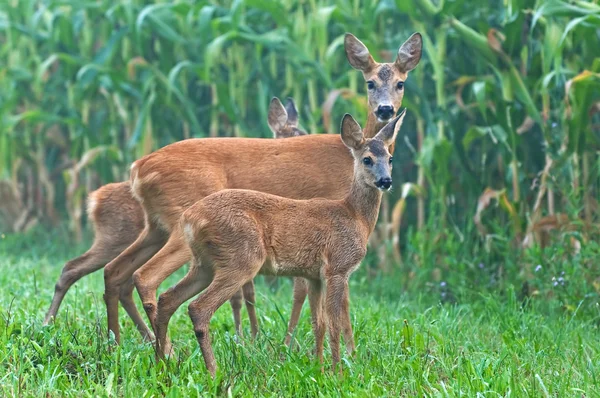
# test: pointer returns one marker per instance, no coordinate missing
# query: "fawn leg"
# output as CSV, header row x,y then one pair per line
x,y
90,261
336,290
122,268
346,322
300,292
196,280
126,298
315,299
172,256
236,308
201,310
249,297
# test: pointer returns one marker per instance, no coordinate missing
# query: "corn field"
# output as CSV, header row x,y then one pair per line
x,y
504,107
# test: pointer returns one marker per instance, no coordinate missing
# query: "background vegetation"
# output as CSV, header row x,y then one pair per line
x,y
499,160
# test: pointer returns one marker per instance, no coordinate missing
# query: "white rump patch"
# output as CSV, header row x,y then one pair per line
x,y
188,232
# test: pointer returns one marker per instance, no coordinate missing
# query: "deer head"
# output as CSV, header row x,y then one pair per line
x,y
283,121
372,159
385,81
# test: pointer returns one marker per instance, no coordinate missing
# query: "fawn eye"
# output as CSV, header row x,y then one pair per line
x,y
391,159
368,161
400,85
370,85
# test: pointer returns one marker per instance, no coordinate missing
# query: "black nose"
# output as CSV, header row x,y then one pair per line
x,y
385,112
384,183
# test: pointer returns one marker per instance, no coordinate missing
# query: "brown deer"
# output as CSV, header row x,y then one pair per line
x,y
171,179
118,218
233,232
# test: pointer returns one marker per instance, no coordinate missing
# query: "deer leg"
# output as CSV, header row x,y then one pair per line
x,y
201,310
346,322
126,298
315,299
120,270
300,292
236,308
196,280
75,269
172,256
336,291
249,297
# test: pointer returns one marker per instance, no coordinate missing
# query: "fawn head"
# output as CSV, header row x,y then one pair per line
x,y
283,121
385,81
372,159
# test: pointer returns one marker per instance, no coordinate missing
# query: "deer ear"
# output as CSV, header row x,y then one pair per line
x,y
357,53
277,116
292,112
389,132
409,54
352,135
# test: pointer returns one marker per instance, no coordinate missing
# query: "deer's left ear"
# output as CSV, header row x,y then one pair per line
x,y
277,116
352,135
389,132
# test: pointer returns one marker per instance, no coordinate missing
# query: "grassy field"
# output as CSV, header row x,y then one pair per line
x,y
408,344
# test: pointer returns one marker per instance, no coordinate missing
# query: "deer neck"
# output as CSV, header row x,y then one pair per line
x,y
364,201
373,125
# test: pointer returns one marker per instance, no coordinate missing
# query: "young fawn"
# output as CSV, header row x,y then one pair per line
x,y
173,178
118,218
233,232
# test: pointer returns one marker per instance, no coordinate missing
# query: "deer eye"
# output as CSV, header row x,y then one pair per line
x,y
370,85
391,159
400,85
368,161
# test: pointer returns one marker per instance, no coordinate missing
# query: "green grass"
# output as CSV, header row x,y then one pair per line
x,y
407,344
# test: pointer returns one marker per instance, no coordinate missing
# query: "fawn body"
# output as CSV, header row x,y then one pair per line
x,y
232,233
173,178
118,219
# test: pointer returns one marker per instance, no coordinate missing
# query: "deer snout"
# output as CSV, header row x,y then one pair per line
x,y
384,183
384,112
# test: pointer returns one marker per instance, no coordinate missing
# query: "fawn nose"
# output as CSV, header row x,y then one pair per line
x,y
384,183
384,112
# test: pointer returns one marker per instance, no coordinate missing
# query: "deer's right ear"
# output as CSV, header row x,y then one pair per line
x,y
352,135
292,112
357,53
277,116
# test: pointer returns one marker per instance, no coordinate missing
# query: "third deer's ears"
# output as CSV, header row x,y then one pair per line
x,y
389,132
409,54
352,135
277,116
357,53
292,112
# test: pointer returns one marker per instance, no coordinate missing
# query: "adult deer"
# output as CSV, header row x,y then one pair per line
x,y
118,219
233,232
170,180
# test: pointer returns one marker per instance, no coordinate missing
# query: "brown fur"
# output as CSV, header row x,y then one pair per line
x,y
233,232
171,179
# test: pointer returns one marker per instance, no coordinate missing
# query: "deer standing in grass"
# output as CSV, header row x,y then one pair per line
x,y
118,219
173,178
233,232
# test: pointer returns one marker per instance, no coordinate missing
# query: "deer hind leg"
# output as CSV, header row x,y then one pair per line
x,y
92,260
249,297
172,256
315,299
236,307
300,293
336,291
201,310
126,298
120,270
197,279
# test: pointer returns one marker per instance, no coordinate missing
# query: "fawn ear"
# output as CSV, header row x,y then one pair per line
x,y
409,53
389,132
352,135
277,116
357,53
292,112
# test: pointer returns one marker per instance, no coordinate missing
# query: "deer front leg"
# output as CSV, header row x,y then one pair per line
x,y
315,299
336,291
172,256
300,293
